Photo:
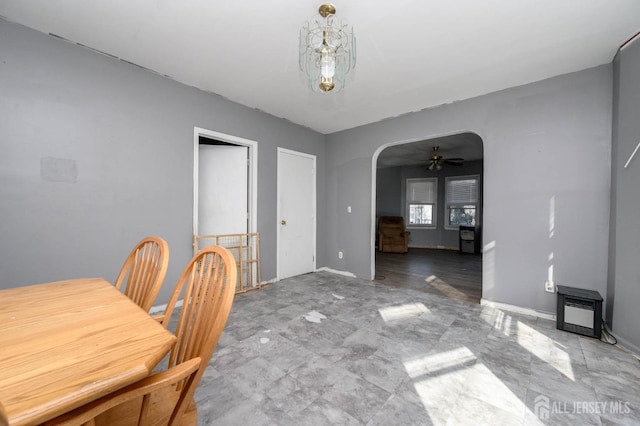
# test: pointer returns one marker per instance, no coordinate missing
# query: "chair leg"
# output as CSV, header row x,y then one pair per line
x,y
190,416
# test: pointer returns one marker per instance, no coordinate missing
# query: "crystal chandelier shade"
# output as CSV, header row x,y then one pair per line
x,y
327,50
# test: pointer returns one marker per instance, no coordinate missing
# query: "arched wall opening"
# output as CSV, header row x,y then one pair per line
x,y
438,260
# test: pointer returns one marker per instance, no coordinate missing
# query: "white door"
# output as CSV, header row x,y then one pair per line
x,y
296,213
222,189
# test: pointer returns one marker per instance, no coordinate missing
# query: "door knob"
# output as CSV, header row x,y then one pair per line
x,y
283,222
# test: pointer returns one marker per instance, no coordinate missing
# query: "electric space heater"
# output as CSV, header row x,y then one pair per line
x,y
579,311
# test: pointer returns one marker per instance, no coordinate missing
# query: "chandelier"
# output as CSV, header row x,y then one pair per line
x,y
327,50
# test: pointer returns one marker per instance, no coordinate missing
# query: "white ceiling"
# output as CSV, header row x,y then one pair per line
x,y
412,54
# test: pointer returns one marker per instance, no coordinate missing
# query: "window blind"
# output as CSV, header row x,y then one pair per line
x,y
462,191
422,191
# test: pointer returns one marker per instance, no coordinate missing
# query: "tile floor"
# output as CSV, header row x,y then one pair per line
x,y
324,349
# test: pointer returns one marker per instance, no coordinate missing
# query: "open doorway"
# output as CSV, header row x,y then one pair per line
x,y
225,182
434,187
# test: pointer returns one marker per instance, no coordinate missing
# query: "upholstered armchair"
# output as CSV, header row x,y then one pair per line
x,y
392,237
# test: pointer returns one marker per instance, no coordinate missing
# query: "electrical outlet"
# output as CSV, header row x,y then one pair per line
x,y
550,287
339,255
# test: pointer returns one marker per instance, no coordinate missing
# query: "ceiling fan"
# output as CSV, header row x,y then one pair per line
x,y
436,160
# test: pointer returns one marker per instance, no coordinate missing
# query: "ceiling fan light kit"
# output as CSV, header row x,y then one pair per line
x,y
327,50
436,160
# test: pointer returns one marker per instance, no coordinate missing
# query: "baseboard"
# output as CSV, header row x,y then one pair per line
x,y
628,346
433,247
518,309
335,271
161,308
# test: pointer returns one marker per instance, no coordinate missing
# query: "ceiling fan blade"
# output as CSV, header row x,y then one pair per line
x,y
453,163
455,159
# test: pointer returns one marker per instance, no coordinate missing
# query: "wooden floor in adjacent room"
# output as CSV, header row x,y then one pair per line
x,y
444,272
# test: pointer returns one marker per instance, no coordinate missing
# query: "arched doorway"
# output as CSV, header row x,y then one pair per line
x,y
435,186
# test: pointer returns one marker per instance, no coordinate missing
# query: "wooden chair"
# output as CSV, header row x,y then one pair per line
x,y
144,270
208,285
151,401
4,421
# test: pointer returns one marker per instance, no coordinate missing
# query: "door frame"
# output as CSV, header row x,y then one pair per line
x,y
314,206
252,168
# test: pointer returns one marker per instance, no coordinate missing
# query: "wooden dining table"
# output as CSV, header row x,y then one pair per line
x,y
66,343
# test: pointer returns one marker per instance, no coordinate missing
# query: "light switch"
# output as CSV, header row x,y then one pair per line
x,y
348,209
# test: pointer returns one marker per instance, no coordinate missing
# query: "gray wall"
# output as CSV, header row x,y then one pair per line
x,y
546,184
391,187
129,135
125,138
624,255
389,191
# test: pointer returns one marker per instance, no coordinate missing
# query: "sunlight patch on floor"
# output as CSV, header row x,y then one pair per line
x,y
401,312
503,323
546,349
444,288
454,379
482,384
440,363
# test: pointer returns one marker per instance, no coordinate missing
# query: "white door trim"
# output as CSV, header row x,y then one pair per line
x,y
252,167
278,218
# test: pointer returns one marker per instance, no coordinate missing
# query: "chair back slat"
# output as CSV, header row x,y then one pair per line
x,y
207,286
144,270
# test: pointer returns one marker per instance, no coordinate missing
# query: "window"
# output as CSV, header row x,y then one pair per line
x,y
462,200
422,198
